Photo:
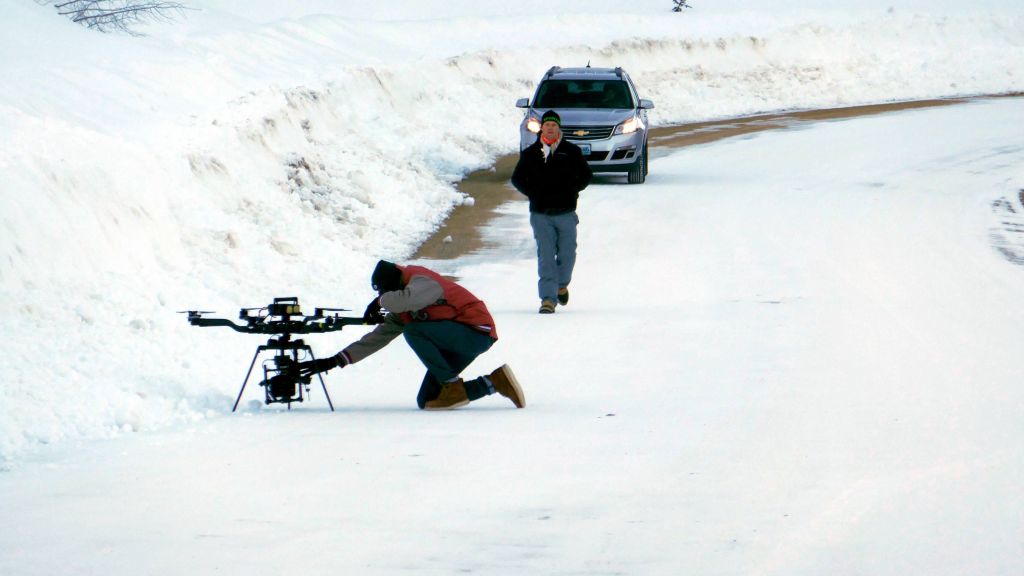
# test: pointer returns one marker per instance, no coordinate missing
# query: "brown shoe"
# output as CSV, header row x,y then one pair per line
x,y
453,395
563,296
547,307
505,383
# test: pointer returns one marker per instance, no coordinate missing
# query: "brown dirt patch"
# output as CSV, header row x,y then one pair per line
x,y
490,188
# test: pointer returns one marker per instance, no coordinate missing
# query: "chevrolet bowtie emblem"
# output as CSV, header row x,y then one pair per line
x,y
581,133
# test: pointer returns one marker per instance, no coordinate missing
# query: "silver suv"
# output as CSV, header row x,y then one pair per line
x,y
601,113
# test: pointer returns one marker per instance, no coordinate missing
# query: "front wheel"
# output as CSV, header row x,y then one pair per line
x,y
638,172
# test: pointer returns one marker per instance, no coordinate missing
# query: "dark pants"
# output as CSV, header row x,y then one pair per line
x,y
446,348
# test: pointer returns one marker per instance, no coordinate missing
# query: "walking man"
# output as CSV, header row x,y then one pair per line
x,y
444,324
551,172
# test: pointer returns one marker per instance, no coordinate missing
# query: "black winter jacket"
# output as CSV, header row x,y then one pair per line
x,y
554,185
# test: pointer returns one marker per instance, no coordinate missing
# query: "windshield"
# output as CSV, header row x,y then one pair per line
x,y
583,94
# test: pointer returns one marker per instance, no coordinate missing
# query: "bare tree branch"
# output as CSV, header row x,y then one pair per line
x,y
117,15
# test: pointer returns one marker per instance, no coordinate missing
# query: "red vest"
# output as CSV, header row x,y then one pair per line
x,y
458,304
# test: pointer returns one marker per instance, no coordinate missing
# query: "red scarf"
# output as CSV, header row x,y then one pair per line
x,y
548,142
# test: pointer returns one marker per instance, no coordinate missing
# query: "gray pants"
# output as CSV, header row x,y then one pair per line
x,y
556,251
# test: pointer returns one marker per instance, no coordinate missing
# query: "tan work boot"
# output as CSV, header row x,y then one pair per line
x,y
453,395
505,383
547,307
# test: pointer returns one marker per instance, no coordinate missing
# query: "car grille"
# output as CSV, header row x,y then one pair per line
x,y
596,156
584,133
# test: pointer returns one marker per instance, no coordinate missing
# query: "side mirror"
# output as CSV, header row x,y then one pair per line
x,y
523,103
646,104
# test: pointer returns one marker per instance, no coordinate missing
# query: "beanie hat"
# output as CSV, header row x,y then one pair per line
x,y
551,116
386,277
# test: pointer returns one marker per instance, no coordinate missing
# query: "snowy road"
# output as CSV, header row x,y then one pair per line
x,y
794,353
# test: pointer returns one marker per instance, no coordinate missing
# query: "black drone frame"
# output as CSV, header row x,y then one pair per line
x,y
282,383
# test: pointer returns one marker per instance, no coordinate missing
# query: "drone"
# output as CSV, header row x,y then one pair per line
x,y
282,318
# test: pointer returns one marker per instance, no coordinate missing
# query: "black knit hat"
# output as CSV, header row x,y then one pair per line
x,y
551,116
386,277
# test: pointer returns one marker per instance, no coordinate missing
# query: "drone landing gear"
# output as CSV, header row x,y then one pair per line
x,y
281,381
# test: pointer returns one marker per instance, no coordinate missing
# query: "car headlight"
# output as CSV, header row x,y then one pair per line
x,y
630,126
533,125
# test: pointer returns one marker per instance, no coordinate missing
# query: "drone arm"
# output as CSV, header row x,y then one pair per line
x,y
195,321
349,321
328,324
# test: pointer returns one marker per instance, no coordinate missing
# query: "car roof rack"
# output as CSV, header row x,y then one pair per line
x,y
587,71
